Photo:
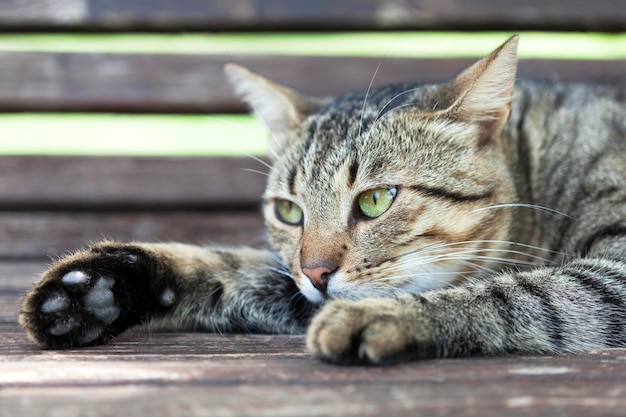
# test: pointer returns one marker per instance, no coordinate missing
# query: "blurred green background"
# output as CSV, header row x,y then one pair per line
x,y
198,135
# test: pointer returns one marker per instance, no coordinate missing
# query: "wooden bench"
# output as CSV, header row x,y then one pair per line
x,y
49,205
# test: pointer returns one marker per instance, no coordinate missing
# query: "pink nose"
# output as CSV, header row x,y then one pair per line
x,y
319,276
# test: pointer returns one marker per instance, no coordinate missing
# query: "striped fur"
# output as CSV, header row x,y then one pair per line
x,y
507,233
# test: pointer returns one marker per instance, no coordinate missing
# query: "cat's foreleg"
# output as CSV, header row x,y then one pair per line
x,y
95,294
575,307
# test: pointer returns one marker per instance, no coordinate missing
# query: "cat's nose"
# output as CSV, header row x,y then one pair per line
x,y
319,276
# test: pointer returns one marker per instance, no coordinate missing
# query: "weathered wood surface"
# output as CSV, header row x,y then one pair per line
x,y
28,235
50,205
149,183
194,374
121,15
145,83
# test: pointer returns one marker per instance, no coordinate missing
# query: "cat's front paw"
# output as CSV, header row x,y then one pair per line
x,y
369,331
92,296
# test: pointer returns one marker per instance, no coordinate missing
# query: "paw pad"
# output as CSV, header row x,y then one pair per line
x,y
56,302
100,301
75,278
63,326
168,298
93,295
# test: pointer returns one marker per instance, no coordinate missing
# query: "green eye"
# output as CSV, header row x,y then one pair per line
x,y
373,203
288,212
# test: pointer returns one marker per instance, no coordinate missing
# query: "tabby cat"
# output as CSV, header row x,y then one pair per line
x,y
475,217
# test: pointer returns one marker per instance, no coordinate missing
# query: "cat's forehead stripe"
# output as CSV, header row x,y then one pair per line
x,y
352,172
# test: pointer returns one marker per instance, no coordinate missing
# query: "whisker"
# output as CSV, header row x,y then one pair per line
x,y
367,93
380,112
280,271
469,255
392,281
274,138
255,171
276,257
441,246
543,209
477,267
378,120
500,260
237,125
472,252
260,161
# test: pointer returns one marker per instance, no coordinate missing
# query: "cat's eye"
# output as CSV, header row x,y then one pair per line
x,y
288,212
373,203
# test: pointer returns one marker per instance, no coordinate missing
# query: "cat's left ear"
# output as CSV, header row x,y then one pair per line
x,y
279,107
483,92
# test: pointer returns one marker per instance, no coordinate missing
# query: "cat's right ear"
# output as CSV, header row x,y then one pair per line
x,y
280,108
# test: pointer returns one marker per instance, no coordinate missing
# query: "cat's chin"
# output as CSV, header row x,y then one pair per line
x,y
311,293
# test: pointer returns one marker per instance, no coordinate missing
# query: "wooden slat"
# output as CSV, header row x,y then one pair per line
x,y
47,234
199,374
122,15
132,182
15,279
173,374
196,84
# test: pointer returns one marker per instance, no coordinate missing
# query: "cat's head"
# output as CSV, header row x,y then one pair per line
x,y
385,191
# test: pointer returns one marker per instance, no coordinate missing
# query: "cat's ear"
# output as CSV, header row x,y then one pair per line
x,y
280,108
483,92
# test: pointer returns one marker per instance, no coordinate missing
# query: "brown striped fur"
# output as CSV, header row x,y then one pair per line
x,y
507,233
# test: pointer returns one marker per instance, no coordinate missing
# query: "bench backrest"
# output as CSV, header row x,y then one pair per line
x,y
52,204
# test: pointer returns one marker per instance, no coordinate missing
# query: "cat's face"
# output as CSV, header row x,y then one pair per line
x,y
376,194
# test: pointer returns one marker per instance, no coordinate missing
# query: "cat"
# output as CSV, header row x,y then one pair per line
x,y
480,216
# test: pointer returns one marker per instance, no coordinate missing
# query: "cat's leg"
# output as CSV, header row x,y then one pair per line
x,y
95,294
575,307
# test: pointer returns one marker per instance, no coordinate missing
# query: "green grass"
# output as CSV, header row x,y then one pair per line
x,y
109,134
386,44
147,135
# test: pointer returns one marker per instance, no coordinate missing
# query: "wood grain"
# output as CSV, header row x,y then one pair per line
x,y
243,375
150,183
15,278
196,84
224,15
27,235
196,374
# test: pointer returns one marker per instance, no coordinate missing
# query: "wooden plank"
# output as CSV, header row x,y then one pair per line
x,y
199,374
48,234
173,374
120,15
129,182
15,278
196,84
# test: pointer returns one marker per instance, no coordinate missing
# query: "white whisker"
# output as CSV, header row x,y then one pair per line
x,y
367,93
280,271
441,246
392,99
468,256
379,119
462,257
472,254
476,267
543,209
393,280
256,171
260,161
